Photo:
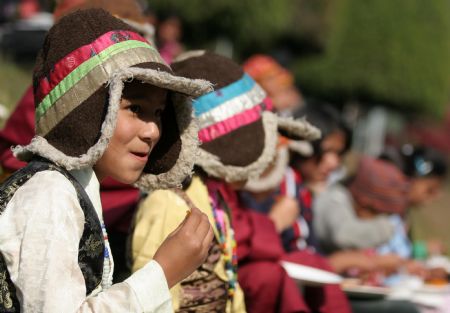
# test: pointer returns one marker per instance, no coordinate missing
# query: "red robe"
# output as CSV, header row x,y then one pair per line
x,y
118,200
266,285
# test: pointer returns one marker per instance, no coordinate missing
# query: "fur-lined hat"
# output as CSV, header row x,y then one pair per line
x,y
237,129
78,82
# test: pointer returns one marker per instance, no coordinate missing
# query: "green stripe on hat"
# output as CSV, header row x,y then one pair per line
x,y
98,76
81,71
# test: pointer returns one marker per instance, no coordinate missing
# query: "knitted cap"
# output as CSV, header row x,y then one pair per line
x,y
237,130
78,83
380,186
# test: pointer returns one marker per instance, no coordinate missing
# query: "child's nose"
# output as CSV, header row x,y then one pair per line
x,y
150,132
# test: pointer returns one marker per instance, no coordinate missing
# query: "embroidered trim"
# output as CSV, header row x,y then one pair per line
x,y
231,107
229,252
82,70
234,122
203,290
91,247
79,56
75,95
216,98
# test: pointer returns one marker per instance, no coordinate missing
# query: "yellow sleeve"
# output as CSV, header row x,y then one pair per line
x,y
238,301
157,216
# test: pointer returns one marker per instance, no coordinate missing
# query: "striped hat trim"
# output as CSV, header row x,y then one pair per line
x,y
224,110
236,105
84,88
216,98
234,122
80,62
75,58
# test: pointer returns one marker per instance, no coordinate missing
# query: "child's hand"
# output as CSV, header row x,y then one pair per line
x,y
416,268
389,263
186,248
354,261
284,213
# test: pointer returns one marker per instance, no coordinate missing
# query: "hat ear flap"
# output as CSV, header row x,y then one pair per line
x,y
297,129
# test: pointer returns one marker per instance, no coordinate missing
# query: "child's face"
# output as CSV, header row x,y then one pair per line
x,y
318,170
136,134
424,190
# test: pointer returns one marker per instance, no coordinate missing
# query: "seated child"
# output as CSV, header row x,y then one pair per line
x,y
103,109
239,137
378,190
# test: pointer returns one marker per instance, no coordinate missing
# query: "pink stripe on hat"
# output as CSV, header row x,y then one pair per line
x,y
222,128
77,57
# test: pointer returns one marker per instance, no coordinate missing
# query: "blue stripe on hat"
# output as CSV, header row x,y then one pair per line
x,y
213,99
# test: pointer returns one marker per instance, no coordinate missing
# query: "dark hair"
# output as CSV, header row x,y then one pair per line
x,y
417,161
328,120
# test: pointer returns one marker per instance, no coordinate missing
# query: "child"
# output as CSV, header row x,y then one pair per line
x,y
425,167
118,200
239,137
101,94
426,170
353,219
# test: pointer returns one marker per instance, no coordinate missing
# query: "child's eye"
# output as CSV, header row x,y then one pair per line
x,y
134,108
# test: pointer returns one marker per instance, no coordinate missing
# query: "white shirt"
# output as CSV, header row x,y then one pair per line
x,y
40,232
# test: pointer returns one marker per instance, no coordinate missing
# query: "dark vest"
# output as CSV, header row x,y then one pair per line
x,y
91,249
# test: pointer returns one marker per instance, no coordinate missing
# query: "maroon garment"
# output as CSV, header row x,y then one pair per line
x,y
19,130
266,285
118,200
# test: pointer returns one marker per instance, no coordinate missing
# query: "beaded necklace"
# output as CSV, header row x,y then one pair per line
x,y
229,253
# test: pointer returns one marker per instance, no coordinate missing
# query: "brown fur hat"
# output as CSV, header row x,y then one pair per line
x,y
237,130
78,81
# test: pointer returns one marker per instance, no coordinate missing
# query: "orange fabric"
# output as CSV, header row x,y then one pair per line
x,y
268,73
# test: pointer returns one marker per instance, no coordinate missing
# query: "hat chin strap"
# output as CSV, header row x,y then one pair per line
x,y
298,128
